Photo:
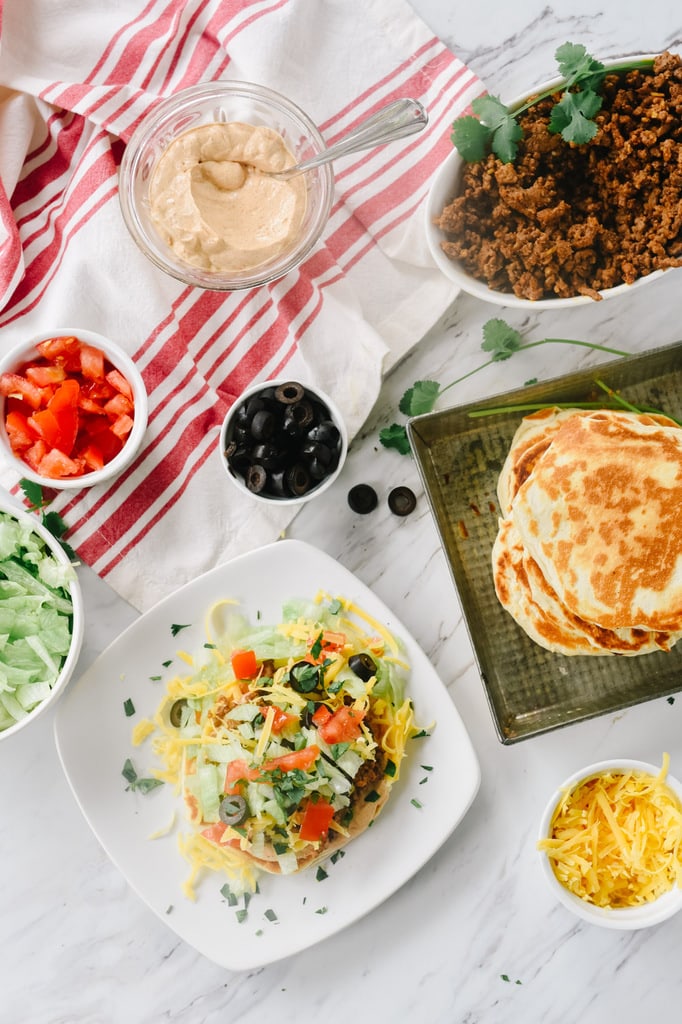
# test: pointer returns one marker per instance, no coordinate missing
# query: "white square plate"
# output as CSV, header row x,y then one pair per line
x,y
93,737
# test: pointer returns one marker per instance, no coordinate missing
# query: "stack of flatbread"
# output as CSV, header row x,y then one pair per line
x,y
588,556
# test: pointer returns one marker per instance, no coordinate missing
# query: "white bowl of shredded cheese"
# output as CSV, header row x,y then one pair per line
x,y
610,843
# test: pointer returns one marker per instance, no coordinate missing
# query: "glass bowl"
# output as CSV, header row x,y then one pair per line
x,y
623,918
325,409
222,102
27,352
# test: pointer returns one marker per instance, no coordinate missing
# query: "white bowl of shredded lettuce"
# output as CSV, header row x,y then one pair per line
x,y
41,619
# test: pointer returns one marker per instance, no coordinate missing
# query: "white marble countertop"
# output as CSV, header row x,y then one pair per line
x,y
475,936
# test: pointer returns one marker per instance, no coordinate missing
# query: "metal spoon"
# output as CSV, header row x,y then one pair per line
x,y
398,119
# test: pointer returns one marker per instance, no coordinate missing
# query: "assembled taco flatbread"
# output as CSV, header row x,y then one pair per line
x,y
285,739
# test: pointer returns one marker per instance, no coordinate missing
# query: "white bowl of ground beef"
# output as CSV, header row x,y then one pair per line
x,y
514,242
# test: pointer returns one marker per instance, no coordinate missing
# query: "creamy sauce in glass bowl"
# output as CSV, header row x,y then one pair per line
x,y
213,204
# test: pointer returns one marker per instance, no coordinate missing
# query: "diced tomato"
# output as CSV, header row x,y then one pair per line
x,y
35,454
239,771
343,726
56,464
89,405
321,715
119,405
244,664
19,433
297,759
92,362
63,350
214,833
119,383
317,818
44,376
15,384
122,425
282,719
92,456
66,396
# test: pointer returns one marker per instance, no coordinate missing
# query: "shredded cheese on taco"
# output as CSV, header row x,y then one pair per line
x,y
615,838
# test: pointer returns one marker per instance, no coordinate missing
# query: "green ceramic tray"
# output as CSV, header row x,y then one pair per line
x,y
530,690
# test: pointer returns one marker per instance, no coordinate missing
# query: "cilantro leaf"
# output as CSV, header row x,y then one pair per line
x,y
500,339
395,436
572,116
33,493
471,139
420,398
576,65
175,628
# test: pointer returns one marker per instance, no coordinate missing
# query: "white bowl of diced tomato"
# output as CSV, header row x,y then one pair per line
x,y
73,408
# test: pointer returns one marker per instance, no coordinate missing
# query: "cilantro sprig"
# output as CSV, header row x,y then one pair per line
x,y
493,127
501,341
51,520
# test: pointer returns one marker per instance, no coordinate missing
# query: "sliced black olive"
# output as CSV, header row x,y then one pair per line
x,y
318,471
233,810
238,457
298,479
263,425
290,392
176,712
256,478
362,499
267,455
317,450
302,413
326,433
402,501
363,665
277,483
304,677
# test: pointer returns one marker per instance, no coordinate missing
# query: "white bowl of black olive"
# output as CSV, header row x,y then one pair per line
x,y
283,442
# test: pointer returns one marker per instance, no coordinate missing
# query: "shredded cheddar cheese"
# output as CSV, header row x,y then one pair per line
x,y
615,838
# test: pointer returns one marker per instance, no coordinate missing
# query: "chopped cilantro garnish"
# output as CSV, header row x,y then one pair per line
x,y
335,606
337,854
372,797
128,707
416,803
321,910
271,915
227,893
166,664
320,874
338,749
427,767
155,679
136,783
390,768
316,649
177,627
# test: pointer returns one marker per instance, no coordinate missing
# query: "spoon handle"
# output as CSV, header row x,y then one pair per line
x,y
395,121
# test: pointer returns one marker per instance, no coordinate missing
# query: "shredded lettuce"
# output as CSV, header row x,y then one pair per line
x,y
35,619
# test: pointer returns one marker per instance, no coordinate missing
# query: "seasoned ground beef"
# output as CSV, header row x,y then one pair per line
x,y
566,220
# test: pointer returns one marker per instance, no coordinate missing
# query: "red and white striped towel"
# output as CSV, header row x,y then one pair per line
x,y
74,81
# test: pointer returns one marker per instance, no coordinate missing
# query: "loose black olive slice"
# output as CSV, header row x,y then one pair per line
x,y
233,810
363,665
176,712
290,392
362,498
304,677
402,501
256,478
